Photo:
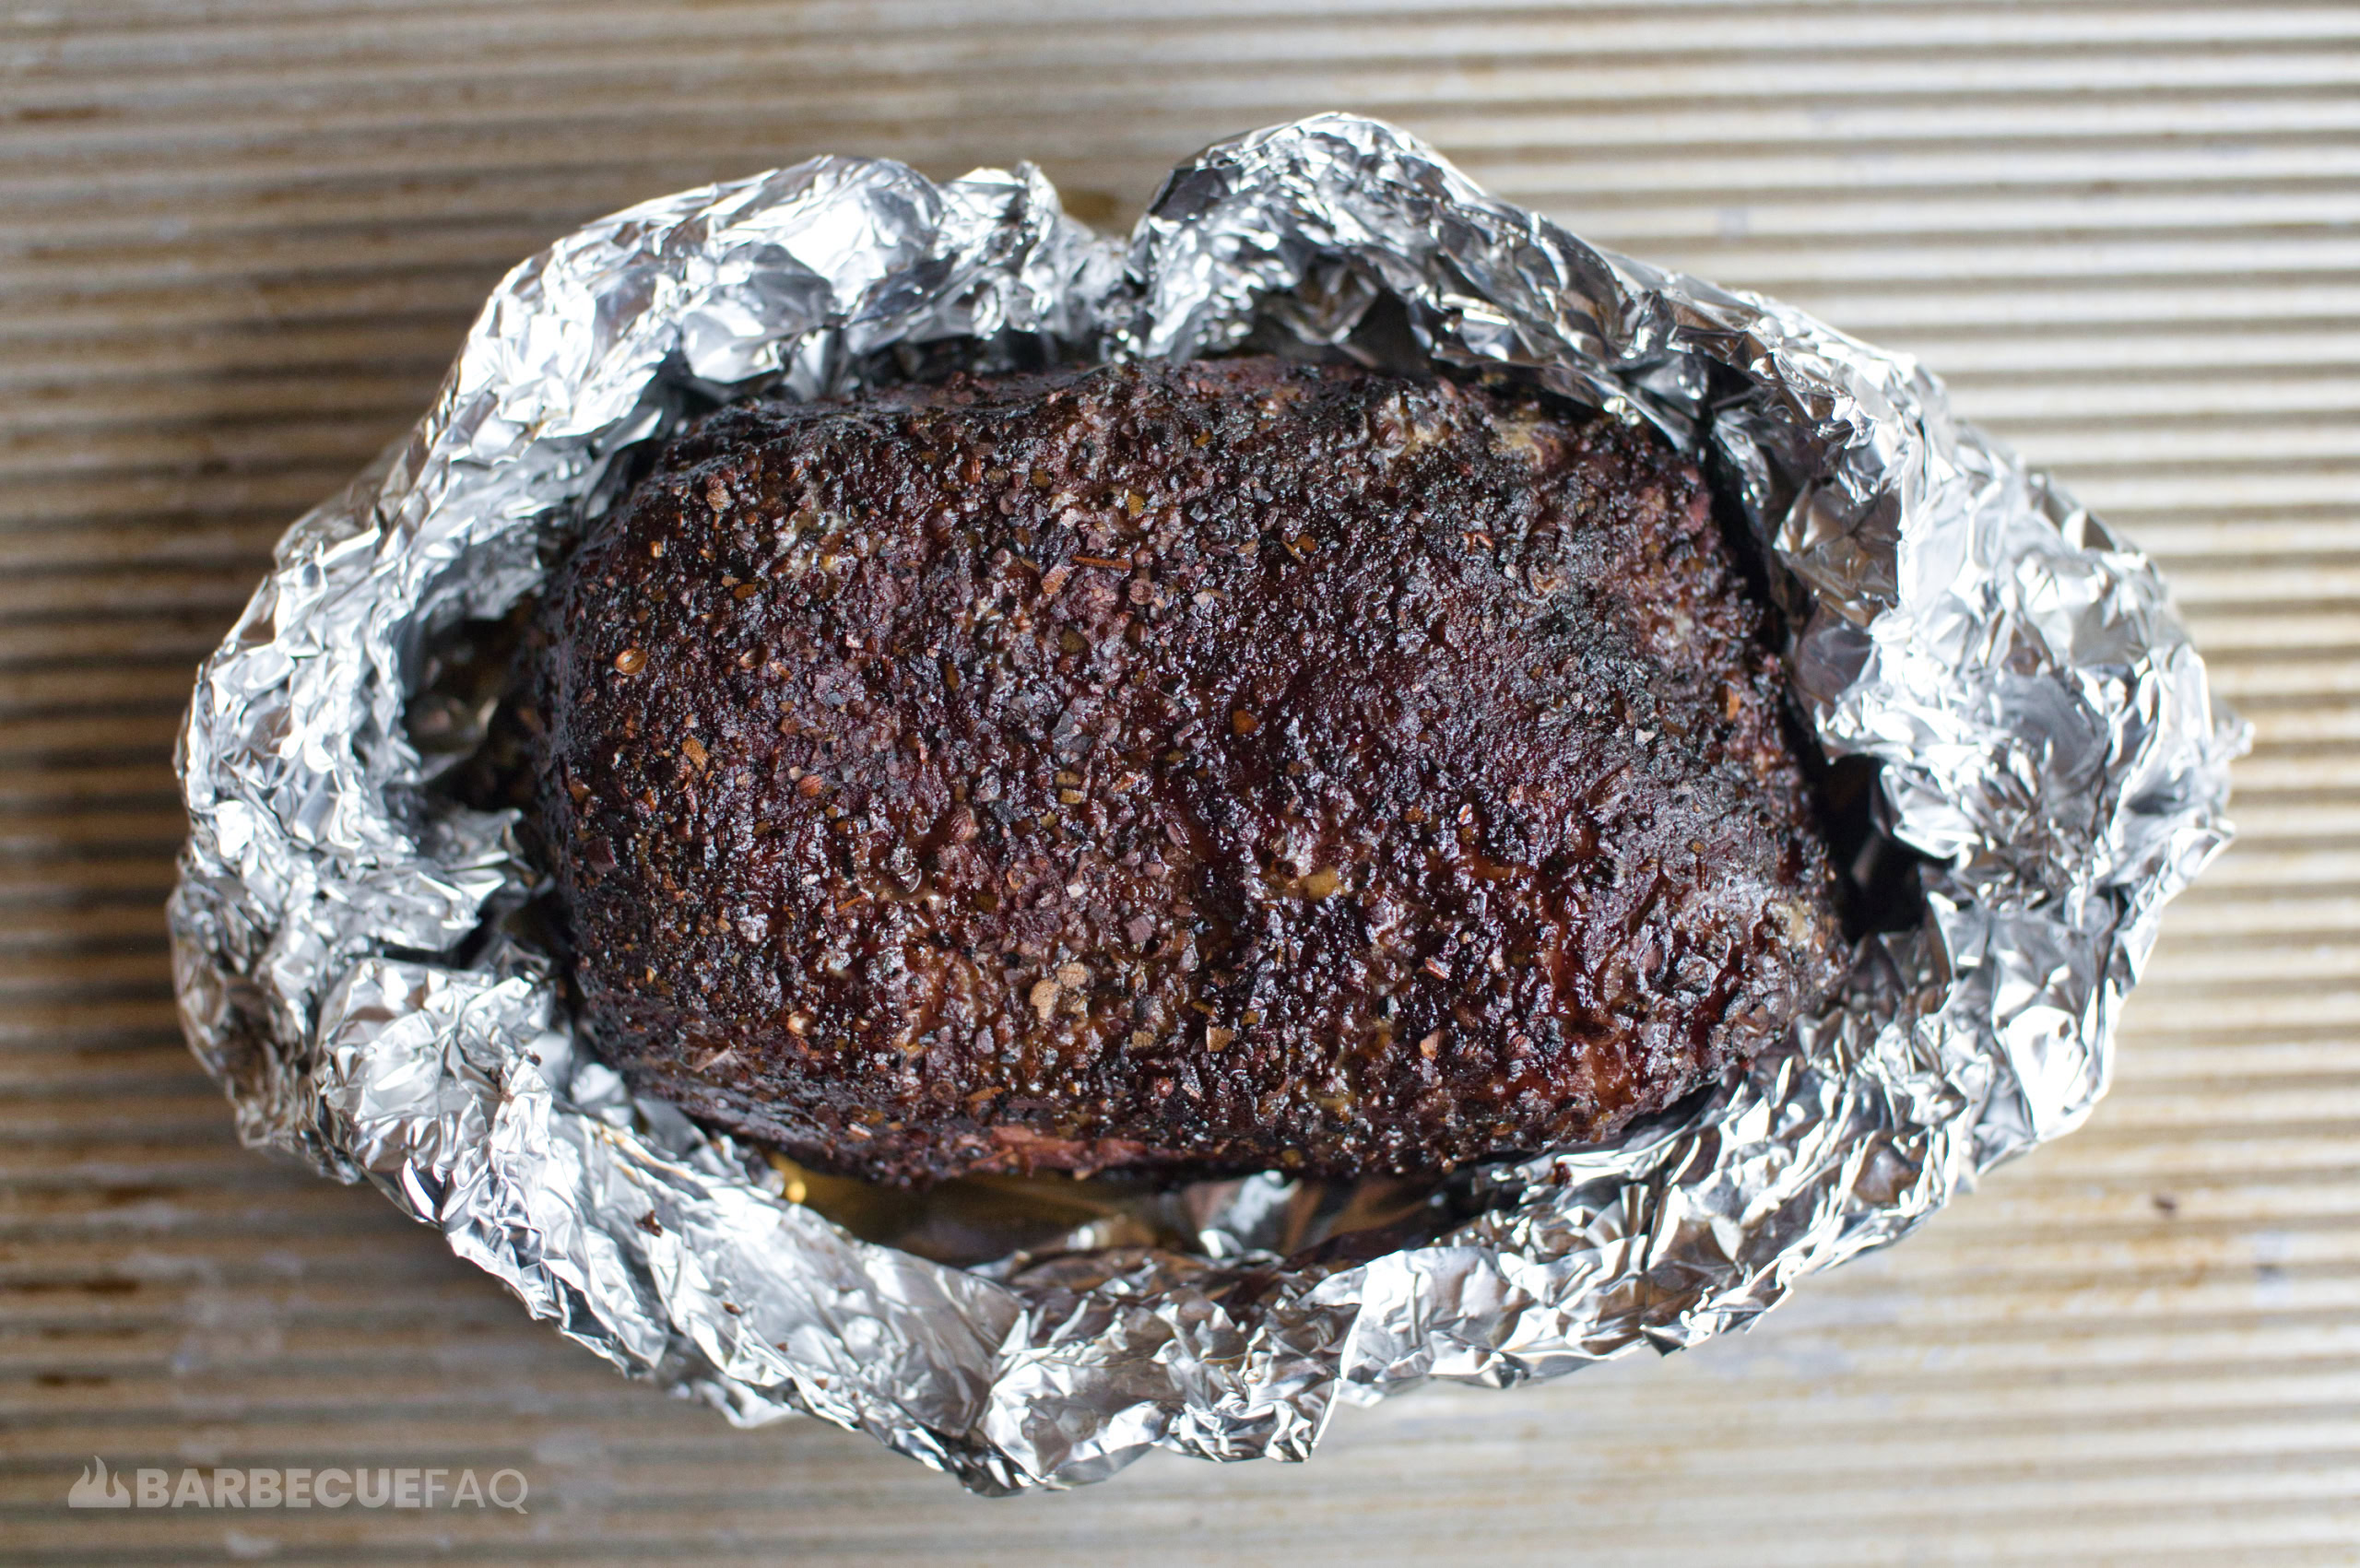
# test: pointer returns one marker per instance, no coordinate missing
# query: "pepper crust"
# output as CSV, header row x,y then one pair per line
x,y
1173,768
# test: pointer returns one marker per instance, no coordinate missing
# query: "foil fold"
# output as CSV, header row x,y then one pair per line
x,y
2044,738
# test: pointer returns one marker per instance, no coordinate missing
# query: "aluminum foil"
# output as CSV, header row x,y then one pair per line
x,y
347,969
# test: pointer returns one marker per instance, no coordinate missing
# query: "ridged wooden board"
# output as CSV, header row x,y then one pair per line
x,y
239,241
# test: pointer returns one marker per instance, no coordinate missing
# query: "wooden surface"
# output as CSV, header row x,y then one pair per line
x,y
240,239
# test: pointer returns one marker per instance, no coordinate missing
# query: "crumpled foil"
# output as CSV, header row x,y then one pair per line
x,y
345,970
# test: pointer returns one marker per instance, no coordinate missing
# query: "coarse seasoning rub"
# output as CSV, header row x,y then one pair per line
x,y
1173,767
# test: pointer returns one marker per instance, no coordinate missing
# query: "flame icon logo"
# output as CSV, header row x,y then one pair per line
x,y
98,1490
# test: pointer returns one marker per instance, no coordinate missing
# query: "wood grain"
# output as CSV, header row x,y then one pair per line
x,y
239,240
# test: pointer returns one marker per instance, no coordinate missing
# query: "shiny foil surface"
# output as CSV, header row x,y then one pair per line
x,y
350,968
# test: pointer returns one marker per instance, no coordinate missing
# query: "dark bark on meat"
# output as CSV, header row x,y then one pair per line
x,y
1181,768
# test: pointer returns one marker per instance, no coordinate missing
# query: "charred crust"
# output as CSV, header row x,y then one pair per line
x,y
1181,768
